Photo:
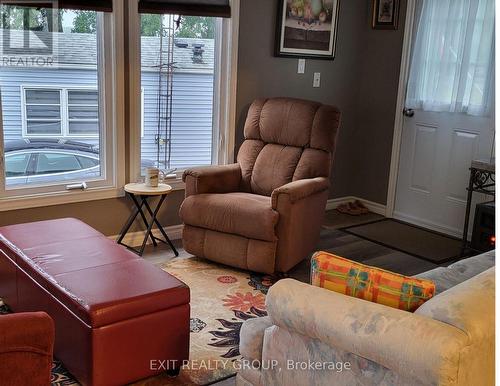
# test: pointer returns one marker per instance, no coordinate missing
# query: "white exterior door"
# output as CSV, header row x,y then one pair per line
x,y
436,152
450,88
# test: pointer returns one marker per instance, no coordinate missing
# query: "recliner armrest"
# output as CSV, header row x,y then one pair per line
x,y
300,189
212,179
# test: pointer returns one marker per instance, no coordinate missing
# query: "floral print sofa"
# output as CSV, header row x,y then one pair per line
x,y
313,336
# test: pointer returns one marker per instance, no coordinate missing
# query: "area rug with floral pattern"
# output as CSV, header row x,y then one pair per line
x,y
222,298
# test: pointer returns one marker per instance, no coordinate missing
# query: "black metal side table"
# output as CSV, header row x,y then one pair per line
x,y
140,193
481,180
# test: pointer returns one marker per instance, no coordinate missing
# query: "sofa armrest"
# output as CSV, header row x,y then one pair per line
x,y
212,179
252,337
419,347
300,189
33,331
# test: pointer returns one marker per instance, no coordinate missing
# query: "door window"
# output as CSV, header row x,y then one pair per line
x,y
452,67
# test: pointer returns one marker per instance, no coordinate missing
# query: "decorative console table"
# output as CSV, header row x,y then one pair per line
x,y
481,180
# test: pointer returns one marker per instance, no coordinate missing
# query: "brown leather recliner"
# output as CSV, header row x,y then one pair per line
x,y
264,212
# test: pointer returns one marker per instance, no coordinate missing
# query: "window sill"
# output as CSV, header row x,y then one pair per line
x,y
58,198
65,197
176,184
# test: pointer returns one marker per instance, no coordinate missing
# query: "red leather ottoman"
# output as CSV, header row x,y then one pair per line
x,y
114,313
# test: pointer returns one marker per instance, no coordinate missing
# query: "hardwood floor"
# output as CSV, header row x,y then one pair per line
x,y
336,220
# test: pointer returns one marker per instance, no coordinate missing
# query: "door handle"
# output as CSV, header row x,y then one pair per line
x,y
408,112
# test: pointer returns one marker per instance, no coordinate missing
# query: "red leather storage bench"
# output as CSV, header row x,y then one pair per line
x,y
114,313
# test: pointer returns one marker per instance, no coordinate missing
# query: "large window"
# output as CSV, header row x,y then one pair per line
x,y
56,112
57,101
178,70
65,102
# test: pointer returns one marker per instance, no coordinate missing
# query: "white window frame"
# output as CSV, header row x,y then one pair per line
x,y
142,112
64,105
224,107
112,110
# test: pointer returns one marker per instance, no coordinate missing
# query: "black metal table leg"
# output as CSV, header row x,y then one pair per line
x,y
160,227
141,201
153,220
139,206
131,219
128,224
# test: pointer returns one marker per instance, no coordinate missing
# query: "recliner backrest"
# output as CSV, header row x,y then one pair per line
x,y
286,139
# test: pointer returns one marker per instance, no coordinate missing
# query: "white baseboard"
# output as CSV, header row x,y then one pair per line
x,y
373,207
332,203
455,232
135,239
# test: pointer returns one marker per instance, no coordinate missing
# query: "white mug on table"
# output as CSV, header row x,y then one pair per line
x,y
153,177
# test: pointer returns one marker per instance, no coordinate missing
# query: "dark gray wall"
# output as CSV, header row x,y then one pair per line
x,y
362,81
378,81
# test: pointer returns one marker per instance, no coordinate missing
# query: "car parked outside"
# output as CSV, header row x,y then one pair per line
x,y
34,162
42,161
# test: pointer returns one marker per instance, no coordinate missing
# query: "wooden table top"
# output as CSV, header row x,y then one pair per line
x,y
142,189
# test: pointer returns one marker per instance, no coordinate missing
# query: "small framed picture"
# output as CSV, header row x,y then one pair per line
x,y
385,14
307,28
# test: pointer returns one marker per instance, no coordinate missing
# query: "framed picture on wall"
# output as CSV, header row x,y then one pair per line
x,y
385,14
307,28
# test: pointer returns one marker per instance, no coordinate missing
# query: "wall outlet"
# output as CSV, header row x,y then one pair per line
x,y
317,79
302,66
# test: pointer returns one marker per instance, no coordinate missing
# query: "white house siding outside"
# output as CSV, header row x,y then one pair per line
x,y
12,79
191,118
192,95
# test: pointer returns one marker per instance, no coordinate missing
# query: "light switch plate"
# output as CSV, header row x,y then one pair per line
x,y
317,79
302,66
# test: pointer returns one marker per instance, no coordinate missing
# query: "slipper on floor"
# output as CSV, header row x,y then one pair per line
x,y
349,208
343,208
363,209
354,210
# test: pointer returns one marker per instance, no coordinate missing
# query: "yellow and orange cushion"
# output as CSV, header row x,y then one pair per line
x,y
369,283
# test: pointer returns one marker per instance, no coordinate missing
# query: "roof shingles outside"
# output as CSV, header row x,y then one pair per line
x,y
79,51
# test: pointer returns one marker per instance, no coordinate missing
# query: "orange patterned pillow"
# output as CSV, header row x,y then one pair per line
x,y
369,283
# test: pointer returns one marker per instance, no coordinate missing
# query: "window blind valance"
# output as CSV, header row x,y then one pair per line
x,y
215,8
85,5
